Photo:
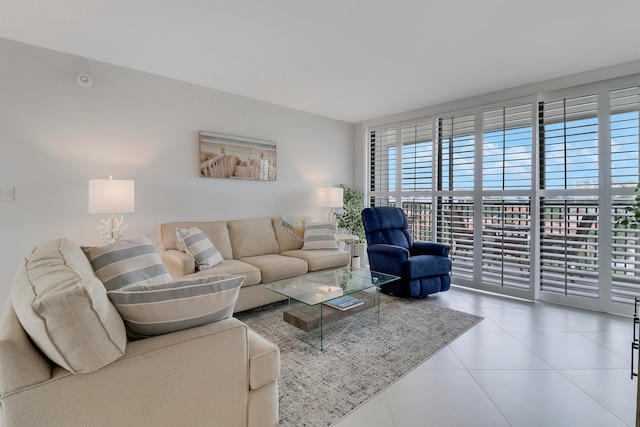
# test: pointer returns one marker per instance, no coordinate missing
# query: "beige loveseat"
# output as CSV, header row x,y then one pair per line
x,y
75,367
260,249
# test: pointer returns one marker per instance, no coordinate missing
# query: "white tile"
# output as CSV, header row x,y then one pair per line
x,y
523,319
495,351
441,398
444,359
618,342
612,388
585,320
542,398
450,299
485,326
570,350
513,374
374,413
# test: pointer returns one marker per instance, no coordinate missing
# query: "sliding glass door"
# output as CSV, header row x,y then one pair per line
x,y
531,194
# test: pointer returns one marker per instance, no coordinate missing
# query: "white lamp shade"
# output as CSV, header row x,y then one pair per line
x,y
329,197
111,196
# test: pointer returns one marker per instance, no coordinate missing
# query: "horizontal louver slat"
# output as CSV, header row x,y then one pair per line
x,y
382,167
417,157
569,247
456,229
456,137
506,240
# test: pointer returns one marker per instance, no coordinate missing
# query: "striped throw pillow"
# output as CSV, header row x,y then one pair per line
x,y
195,243
149,310
128,263
320,235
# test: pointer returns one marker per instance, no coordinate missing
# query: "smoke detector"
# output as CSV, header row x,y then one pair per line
x,y
84,80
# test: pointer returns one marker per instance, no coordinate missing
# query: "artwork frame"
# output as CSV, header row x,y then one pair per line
x,y
236,157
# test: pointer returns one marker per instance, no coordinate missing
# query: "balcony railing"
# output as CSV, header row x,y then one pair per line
x,y
568,242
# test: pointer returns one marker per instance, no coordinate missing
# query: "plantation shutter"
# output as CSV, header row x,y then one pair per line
x,y
506,219
382,167
625,172
456,154
569,214
417,157
456,142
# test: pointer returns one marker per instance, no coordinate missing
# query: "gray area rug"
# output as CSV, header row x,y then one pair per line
x,y
318,388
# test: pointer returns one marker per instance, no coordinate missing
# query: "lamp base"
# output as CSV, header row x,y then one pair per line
x,y
111,230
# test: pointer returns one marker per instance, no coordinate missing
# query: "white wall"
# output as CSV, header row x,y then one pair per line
x,y
55,136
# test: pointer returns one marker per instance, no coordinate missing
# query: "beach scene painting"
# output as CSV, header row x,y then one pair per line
x,y
226,156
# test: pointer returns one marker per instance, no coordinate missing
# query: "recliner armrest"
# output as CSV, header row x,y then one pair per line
x,y
430,248
388,259
389,250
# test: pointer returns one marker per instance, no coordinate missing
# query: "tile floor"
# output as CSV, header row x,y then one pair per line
x,y
525,364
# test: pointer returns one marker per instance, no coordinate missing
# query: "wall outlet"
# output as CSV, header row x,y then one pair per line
x,y
6,193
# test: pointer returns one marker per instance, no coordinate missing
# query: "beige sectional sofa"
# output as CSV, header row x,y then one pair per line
x,y
65,359
260,249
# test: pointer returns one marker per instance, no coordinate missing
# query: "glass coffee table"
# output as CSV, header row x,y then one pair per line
x,y
310,294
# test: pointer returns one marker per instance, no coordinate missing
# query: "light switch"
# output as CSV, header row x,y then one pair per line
x,y
6,193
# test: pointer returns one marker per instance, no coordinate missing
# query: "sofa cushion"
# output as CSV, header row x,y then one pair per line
x,y
195,243
126,263
251,237
321,259
65,309
156,309
275,267
234,267
320,235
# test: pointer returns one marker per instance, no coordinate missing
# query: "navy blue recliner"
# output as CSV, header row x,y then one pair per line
x,y
424,267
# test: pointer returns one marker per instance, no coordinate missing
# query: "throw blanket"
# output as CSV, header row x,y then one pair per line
x,y
294,224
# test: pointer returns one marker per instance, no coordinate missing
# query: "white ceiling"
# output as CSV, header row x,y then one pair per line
x,y
351,60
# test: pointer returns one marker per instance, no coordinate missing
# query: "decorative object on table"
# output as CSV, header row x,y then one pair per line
x,y
351,217
355,261
345,303
226,156
112,196
424,267
331,198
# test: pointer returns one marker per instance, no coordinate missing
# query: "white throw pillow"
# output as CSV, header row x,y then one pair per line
x,y
150,310
320,235
128,263
195,243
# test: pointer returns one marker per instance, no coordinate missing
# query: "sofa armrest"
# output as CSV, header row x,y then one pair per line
x,y
197,374
264,361
21,363
178,263
430,248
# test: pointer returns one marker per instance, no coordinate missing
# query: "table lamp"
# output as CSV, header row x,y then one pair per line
x,y
111,196
330,197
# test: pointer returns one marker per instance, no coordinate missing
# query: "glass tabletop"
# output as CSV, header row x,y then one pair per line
x,y
318,287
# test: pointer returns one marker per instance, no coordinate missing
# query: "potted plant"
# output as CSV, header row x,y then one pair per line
x,y
632,222
351,217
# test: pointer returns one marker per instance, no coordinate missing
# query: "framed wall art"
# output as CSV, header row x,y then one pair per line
x,y
226,156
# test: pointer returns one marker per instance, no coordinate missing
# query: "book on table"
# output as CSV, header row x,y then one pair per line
x,y
344,303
